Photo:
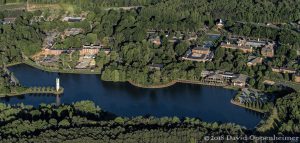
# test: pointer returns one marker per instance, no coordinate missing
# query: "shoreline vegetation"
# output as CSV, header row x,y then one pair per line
x,y
268,123
153,86
84,118
163,85
168,84
34,90
244,106
173,82
293,85
32,64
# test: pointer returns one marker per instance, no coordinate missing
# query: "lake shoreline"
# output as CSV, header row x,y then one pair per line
x,y
154,86
34,65
181,81
95,72
29,91
250,108
122,98
158,86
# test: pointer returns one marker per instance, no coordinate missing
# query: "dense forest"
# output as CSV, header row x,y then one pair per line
x,y
83,121
19,39
126,33
193,11
4,82
7,84
289,115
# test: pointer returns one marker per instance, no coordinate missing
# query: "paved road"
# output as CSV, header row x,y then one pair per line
x,y
123,8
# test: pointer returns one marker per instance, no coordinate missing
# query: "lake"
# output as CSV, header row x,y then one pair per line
x,y
182,100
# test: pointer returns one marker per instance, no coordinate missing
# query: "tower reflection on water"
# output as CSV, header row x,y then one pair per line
x,y
58,99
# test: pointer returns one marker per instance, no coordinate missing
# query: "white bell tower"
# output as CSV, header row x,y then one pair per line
x,y
57,84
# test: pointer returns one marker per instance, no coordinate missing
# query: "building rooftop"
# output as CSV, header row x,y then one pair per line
x,y
50,39
240,78
235,46
205,73
72,19
156,66
213,36
199,48
9,20
72,31
269,46
283,70
92,46
269,82
215,76
255,43
252,61
208,44
252,95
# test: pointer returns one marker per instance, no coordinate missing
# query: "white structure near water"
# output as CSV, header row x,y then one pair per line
x,y
57,84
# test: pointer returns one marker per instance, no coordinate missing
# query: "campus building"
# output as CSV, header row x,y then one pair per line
x,y
251,96
253,61
283,70
268,50
240,44
156,66
72,19
220,24
90,49
240,80
222,77
199,54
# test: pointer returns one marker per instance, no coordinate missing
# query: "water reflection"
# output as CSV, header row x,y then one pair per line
x,y
183,100
57,100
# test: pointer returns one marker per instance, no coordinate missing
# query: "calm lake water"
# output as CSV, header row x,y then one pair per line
x,y
182,100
